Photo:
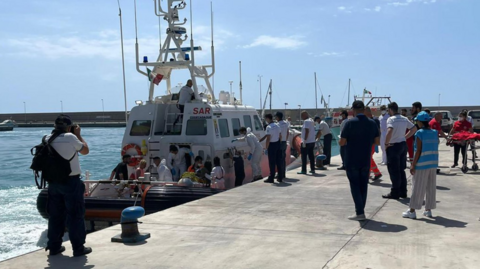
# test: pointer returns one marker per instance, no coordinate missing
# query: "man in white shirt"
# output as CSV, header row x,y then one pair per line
x,y
66,198
176,161
308,143
383,131
186,94
273,136
396,148
324,130
284,129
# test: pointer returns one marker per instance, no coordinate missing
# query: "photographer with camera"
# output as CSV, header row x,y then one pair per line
x,y
66,206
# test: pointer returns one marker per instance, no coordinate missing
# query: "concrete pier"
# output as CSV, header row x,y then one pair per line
x,y
301,223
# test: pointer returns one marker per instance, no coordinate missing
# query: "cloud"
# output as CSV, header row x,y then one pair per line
x,y
375,9
104,44
408,2
289,42
327,54
345,9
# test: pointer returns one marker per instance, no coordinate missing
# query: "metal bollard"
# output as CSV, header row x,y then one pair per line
x,y
129,222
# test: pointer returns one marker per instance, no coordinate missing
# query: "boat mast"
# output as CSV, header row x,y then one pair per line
x,y
316,101
348,102
123,55
270,93
241,97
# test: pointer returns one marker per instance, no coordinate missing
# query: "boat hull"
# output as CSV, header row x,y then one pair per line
x,y
6,128
154,199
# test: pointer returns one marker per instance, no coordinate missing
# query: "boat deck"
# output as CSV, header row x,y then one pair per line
x,y
298,224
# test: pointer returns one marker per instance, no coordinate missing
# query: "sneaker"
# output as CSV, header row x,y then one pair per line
x,y
453,166
357,217
427,214
312,172
410,215
341,168
302,173
85,251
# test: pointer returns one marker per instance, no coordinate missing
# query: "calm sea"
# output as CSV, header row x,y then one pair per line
x,y
21,228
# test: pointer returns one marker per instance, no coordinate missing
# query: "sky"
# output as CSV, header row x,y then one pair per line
x,y
56,53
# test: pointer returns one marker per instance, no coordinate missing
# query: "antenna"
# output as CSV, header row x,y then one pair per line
x,y
241,88
316,102
123,56
213,46
191,34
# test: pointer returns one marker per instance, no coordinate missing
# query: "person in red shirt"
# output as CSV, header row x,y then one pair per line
x,y
436,124
462,125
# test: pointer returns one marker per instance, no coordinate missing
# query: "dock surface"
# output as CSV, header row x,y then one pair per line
x,y
301,223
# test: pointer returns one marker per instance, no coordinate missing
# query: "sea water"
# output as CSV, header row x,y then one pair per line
x,y
22,229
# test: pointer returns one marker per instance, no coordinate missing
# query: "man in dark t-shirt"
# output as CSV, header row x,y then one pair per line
x,y
359,134
239,168
121,170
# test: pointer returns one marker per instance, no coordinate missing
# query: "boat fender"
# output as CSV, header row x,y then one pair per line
x,y
134,161
129,222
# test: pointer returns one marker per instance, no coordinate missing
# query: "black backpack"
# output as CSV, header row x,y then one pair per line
x,y
53,167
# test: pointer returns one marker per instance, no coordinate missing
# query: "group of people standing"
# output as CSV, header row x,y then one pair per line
x,y
391,131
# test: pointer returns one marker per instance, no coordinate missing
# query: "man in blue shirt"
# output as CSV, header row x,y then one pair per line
x,y
358,136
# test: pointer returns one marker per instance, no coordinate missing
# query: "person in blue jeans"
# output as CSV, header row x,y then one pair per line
x,y
358,136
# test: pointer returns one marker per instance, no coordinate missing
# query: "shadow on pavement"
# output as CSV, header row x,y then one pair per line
x,y
382,227
380,184
292,180
283,184
62,262
316,175
440,188
447,223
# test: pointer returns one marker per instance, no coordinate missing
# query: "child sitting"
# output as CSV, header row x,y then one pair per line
x,y
217,175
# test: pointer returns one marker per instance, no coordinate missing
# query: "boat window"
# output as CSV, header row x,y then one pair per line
x,y
196,127
141,128
247,121
236,127
258,123
224,131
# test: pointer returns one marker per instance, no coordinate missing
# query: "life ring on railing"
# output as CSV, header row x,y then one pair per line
x,y
134,161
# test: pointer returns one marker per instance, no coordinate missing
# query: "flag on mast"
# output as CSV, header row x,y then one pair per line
x,y
366,92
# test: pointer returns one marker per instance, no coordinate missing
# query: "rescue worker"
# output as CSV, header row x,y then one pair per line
x,y
284,129
273,137
397,151
163,171
324,130
256,151
373,165
308,143
176,161
462,125
383,131
186,94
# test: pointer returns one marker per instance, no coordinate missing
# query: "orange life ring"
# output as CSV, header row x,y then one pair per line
x,y
135,161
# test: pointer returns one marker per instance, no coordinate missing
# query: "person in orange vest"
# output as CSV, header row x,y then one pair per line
x,y
373,165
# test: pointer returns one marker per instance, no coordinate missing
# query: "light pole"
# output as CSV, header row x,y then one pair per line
x,y
300,113
25,111
439,99
285,116
231,93
61,105
260,80
103,109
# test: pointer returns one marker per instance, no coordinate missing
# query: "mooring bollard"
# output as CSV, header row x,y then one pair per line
x,y
319,162
129,222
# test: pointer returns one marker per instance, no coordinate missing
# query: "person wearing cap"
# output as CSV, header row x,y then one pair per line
x,y
358,136
308,143
66,205
273,137
120,172
284,129
383,131
324,130
396,148
344,115
424,168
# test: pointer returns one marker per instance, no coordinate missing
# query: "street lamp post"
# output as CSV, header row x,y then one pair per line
x,y
439,99
285,116
231,92
25,111
61,105
300,114
260,80
103,109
